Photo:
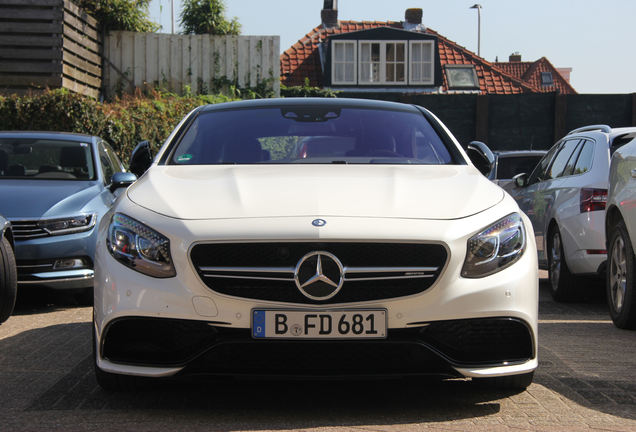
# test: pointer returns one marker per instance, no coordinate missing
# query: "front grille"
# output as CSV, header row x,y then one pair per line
x,y
27,230
265,271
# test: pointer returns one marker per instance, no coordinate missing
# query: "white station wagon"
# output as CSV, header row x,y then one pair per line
x,y
315,237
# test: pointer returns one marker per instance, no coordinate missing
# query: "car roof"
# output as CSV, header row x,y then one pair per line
x,y
311,102
69,136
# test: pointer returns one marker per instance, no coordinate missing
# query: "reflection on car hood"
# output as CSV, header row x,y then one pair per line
x,y
221,191
35,199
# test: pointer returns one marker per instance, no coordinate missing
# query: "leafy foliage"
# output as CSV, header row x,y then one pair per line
x,y
306,91
130,15
207,17
123,122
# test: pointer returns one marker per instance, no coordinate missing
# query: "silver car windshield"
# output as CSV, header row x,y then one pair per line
x,y
310,135
45,159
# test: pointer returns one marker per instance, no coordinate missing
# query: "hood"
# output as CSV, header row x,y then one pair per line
x,y
241,191
35,199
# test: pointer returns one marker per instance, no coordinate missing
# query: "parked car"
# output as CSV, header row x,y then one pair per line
x,y
510,163
389,258
55,188
7,270
620,229
565,198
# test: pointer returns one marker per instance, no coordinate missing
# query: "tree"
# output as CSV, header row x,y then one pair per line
x,y
207,17
131,15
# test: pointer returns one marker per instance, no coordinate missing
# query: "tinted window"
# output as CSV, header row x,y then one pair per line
x,y
108,168
584,162
561,160
43,159
508,167
540,172
310,135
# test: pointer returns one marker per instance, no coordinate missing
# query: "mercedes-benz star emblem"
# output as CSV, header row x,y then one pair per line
x,y
319,222
319,275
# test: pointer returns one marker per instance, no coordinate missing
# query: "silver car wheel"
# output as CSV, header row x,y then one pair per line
x,y
555,260
618,272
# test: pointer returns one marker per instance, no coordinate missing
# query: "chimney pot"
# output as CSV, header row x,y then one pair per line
x,y
514,57
413,16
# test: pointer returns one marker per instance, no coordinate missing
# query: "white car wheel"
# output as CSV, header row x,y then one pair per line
x,y
620,279
561,280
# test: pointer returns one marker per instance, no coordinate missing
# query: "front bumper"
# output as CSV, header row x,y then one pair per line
x,y
124,295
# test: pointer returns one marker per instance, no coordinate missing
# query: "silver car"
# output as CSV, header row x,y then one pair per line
x,y
620,228
565,198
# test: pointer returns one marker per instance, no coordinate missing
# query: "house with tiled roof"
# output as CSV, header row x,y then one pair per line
x,y
398,57
540,74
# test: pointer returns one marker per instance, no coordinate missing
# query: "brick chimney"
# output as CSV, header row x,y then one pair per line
x,y
413,20
329,13
515,57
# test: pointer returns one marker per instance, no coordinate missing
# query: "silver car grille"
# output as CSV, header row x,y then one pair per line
x,y
27,230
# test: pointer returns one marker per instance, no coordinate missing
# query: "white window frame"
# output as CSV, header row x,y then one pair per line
x,y
383,81
431,66
334,81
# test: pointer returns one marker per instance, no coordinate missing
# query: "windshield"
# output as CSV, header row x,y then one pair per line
x,y
310,135
43,159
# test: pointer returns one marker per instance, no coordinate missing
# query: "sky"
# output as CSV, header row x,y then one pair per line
x,y
596,38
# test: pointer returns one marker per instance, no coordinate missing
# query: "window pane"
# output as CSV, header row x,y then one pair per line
x,y
365,72
375,67
584,164
349,72
365,52
561,159
349,52
390,72
399,72
339,72
427,72
390,52
339,52
399,51
375,52
416,72
416,53
427,51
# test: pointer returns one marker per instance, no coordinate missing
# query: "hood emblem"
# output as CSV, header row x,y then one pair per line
x,y
319,222
319,275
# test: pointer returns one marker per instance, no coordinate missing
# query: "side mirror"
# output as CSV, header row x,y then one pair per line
x,y
122,180
140,159
481,156
520,180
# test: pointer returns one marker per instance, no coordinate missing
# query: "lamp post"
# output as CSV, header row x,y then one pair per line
x,y
478,7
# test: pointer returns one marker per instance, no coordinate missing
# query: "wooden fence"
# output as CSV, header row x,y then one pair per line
x,y
202,63
48,44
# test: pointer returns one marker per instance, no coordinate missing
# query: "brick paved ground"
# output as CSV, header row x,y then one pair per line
x,y
586,381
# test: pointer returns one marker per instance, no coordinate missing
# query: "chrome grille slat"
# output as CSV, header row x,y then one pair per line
x,y
25,230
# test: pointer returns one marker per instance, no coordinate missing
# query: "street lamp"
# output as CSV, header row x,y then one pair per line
x,y
478,7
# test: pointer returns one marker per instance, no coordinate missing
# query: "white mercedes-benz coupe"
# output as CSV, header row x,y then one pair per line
x,y
315,238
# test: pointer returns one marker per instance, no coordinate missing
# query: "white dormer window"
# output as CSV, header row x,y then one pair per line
x,y
382,62
344,65
422,64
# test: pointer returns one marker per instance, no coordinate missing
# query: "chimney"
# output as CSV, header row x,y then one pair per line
x,y
515,57
329,14
413,20
413,16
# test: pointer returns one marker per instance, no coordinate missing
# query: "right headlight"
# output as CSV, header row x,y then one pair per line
x,y
495,248
139,247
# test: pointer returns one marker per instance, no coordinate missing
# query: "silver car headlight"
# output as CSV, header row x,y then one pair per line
x,y
68,225
495,248
139,247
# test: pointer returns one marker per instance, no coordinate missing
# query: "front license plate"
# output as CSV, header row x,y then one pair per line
x,y
310,324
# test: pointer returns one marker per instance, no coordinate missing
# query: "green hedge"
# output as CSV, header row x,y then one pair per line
x,y
123,122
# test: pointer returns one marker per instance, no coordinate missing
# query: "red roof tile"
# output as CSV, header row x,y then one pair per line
x,y
301,61
530,72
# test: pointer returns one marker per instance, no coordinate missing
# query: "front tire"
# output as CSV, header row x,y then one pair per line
x,y
620,278
562,282
8,280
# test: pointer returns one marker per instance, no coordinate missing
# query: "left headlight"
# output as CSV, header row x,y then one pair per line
x,y
139,247
495,248
68,225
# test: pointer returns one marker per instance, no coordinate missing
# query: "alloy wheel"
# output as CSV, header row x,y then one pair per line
x,y
618,274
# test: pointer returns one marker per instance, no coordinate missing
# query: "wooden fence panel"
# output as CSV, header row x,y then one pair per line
x,y
200,63
48,44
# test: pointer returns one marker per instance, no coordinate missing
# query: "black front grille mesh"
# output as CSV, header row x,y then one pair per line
x,y
287,255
